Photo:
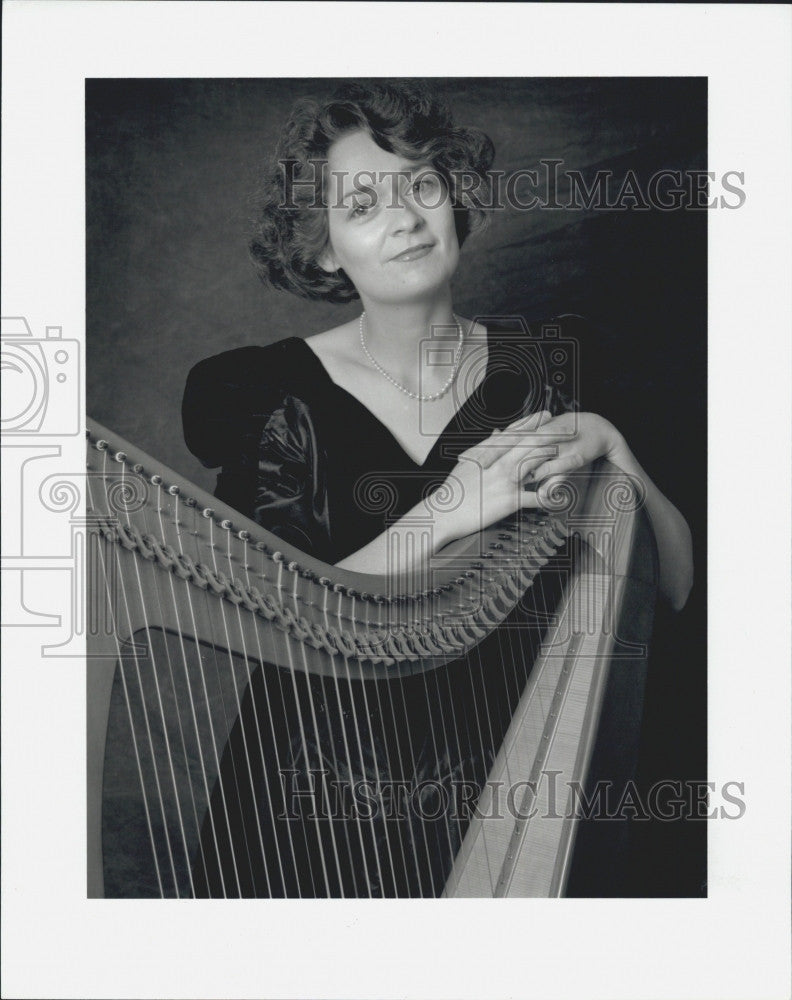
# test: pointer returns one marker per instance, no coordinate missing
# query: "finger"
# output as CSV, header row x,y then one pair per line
x,y
529,499
487,451
520,464
516,432
557,493
530,421
547,434
563,464
527,445
501,441
537,437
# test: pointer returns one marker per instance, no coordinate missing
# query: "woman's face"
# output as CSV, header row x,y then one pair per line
x,y
391,222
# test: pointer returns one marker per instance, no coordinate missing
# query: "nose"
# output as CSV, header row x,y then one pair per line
x,y
404,217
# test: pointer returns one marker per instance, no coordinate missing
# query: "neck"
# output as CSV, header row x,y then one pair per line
x,y
396,335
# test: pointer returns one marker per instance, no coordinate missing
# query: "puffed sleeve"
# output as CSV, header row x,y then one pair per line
x,y
237,416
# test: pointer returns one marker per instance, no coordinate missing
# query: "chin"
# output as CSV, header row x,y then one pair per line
x,y
425,282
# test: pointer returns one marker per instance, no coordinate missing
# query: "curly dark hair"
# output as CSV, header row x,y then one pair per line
x,y
402,117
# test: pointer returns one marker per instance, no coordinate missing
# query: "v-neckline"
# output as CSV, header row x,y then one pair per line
x,y
454,417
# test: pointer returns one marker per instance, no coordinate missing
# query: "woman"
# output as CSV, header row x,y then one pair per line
x,y
370,197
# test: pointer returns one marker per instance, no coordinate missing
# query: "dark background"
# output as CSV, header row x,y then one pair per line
x,y
172,168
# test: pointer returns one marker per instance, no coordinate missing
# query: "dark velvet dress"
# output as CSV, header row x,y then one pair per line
x,y
359,788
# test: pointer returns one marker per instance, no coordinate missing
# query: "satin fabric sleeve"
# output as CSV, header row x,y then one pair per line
x,y
262,437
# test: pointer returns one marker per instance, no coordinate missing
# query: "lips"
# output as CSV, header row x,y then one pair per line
x,y
414,253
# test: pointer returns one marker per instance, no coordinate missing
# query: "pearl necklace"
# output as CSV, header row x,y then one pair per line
x,y
416,395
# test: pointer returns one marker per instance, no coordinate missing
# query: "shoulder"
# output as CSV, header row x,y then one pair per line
x,y
274,364
338,347
229,397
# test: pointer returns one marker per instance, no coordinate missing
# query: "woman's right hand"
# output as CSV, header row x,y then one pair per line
x,y
488,482
485,486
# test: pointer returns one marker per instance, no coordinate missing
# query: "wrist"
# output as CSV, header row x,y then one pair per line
x,y
444,523
619,451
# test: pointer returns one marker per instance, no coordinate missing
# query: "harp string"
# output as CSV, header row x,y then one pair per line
x,y
483,666
401,827
361,762
503,637
213,737
229,645
258,728
437,755
394,773
486,711
310,693
399,683
303,739
163,716
353,688
226,794
390,832
191,701
424,716
361,686
544,607
174,686
117,632
441,755
345,741
306,837
158,583
351,770
150,713
149,808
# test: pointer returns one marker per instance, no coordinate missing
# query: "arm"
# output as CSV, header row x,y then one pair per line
x,y
237,415
488,480
596,437
485,486
674,542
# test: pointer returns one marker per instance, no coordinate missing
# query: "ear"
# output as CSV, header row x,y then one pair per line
x,y
327,261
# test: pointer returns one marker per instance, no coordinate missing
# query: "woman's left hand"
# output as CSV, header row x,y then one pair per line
x,y
579,439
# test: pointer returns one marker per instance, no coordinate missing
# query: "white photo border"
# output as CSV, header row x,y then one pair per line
x,y
735,943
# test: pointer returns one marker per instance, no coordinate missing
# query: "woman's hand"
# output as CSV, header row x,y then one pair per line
x,y
578,439
488,482
485,486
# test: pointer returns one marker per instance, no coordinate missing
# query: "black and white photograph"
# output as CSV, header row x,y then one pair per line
x,y
375,427
537,294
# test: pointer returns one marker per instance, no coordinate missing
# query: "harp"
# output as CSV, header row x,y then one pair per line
x,y
221,655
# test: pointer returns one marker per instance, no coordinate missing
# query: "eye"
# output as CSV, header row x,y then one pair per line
x,y
428,189
427,182
362,204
